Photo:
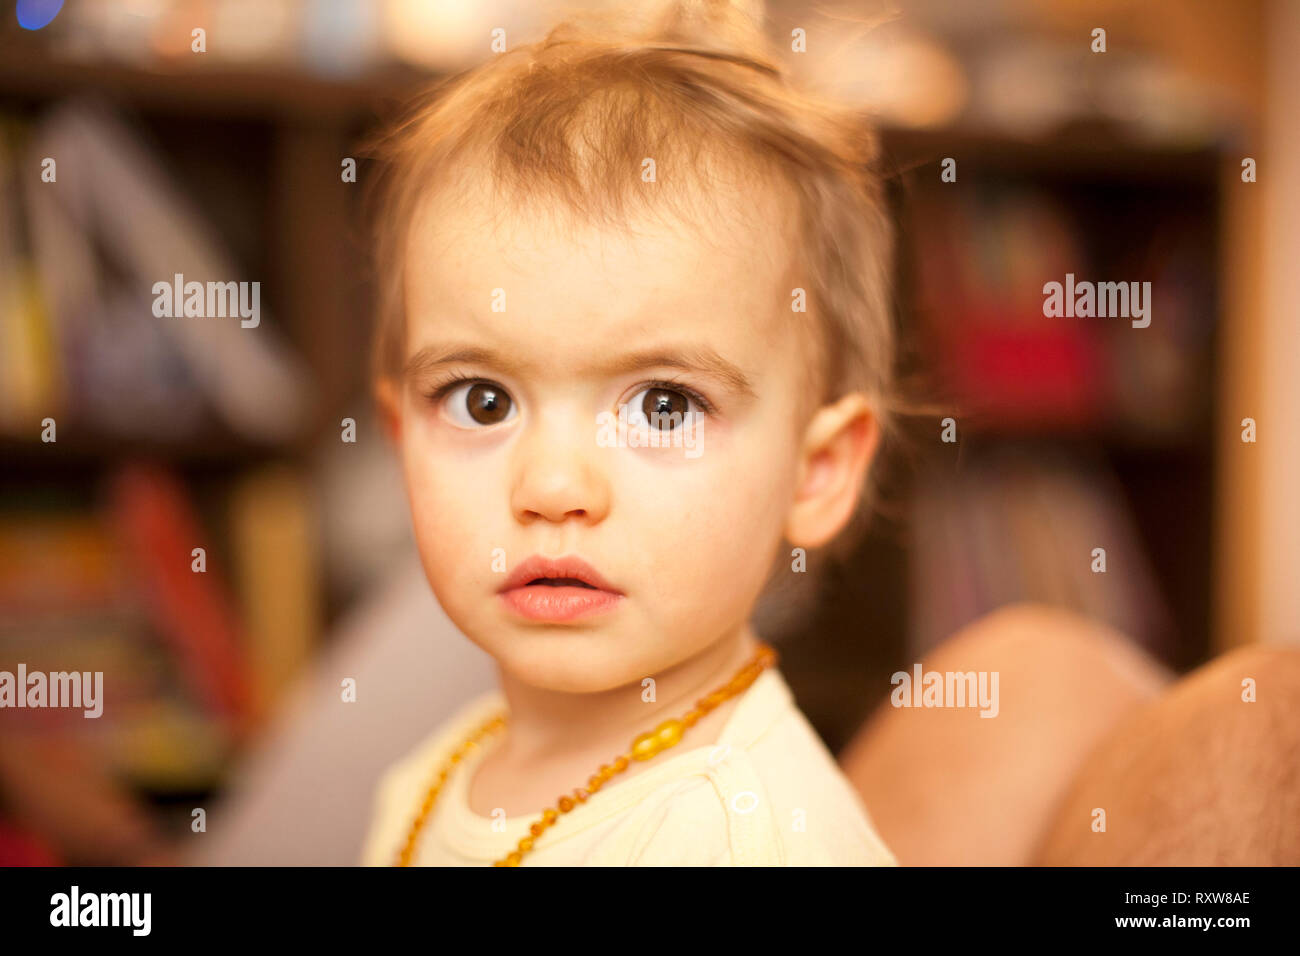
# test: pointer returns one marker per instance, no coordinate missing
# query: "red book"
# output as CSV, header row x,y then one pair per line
x,y
192,610
20,848
1024,375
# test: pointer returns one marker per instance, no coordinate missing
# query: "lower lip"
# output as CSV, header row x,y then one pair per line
x,y
540,602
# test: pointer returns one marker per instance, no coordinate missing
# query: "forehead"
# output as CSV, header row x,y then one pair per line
x,y
478,263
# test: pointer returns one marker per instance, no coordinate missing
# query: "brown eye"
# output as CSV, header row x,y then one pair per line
x,y
478,403
664,408
487,404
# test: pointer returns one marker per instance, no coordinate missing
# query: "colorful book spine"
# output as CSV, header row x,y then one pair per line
x,y
191,609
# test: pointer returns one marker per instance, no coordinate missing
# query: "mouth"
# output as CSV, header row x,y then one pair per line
x,y
556,590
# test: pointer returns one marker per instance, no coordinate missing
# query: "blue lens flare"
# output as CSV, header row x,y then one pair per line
x,y
34,14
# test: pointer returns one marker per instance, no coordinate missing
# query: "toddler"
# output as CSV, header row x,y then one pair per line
x,y
635,352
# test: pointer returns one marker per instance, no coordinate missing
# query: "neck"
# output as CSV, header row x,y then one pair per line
x,y
546,723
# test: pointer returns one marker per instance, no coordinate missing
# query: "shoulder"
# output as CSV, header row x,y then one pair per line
x,y
729,812
717,815
778,756
400,786
820,815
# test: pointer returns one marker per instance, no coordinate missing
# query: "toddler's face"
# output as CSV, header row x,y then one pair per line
x,y
514,448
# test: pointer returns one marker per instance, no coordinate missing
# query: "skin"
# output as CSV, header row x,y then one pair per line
x,y
688,540
947,787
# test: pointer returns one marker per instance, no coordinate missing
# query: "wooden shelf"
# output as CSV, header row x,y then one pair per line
x,y
221,90
1112,438
1095,152
27,458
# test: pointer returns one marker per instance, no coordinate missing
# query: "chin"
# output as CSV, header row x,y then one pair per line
x,y
569,661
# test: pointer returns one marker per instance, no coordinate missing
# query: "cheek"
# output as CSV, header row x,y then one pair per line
x,y
450,502
711,539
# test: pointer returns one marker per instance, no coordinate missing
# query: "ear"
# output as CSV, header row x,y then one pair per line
x,y
839,444
388,399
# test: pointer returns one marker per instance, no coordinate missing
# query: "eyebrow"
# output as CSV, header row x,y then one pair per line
x,y
695,358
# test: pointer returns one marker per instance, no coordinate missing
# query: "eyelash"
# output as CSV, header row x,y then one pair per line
x,y
441,389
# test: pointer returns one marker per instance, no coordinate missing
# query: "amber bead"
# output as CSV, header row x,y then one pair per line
x,y
645,746
669,733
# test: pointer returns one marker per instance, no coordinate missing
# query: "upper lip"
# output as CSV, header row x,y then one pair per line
x,y
569,566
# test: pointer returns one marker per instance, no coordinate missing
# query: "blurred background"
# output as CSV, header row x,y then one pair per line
x,y
223,687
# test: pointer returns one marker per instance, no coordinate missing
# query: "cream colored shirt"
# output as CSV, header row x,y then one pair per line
x,y
767,793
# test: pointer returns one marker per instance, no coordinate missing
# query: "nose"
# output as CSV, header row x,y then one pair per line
x,y
556,473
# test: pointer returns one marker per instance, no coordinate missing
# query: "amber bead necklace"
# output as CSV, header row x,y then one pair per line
x,y
645,746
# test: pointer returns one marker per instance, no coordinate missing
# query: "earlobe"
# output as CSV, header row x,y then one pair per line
x,y
839,444
388,399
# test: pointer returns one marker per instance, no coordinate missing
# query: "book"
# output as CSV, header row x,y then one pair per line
x,y
193,610
112,229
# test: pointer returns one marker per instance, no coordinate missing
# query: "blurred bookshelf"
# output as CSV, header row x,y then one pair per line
x,y
255,157
269,94
1071,434
258,153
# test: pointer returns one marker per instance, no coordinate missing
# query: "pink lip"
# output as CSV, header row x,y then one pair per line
x,y
545,602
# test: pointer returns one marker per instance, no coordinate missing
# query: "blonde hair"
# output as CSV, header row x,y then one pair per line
x,y
569,119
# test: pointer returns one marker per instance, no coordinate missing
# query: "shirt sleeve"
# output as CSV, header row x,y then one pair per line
x,y
688,828
380,847
401,785
722,817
